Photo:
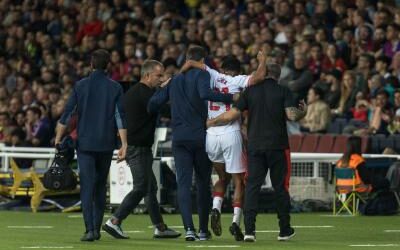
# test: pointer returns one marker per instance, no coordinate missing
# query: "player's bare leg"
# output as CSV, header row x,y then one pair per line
x,y
238,181
218,197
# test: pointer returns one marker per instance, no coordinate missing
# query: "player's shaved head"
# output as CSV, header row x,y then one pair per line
x,y
273,71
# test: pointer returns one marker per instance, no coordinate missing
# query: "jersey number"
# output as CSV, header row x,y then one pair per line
x,y
213,107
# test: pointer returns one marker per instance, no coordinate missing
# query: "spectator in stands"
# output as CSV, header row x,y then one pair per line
x,y
315,61
382,113
393,44
394,126
352,158
37,130
382,64
348,94
332,60
318,114
4,123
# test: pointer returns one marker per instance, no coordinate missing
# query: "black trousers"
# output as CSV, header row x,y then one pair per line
x,y
259,163
140,161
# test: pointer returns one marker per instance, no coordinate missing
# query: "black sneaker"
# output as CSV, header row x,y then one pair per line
x,y
236,232
216,222
88,236
96,235
287,234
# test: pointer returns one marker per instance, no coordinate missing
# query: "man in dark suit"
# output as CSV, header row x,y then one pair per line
x,y
98,102
188,94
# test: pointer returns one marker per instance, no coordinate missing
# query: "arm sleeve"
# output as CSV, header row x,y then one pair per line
x,y
213,75
242,81
289,99
205,92
302,82
119,110
158,99
69,108
242,103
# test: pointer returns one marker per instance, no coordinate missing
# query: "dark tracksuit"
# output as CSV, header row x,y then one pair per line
x,y
188,94
98,102
268,148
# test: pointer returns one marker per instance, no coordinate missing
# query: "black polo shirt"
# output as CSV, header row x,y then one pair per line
x,y
140,124
266,103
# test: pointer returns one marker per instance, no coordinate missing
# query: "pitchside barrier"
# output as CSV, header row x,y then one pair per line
x,y
311,173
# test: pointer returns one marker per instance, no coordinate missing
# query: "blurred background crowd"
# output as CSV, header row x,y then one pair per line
x,y
343,57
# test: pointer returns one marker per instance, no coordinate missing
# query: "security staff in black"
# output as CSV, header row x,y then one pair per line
x,y
140,129
269,105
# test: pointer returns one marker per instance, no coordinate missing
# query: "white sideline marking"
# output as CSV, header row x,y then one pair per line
x,y
220,246
373,245
324,226
81,216
392,231
30,227
336,216
168,227
129,232
47,247
267,231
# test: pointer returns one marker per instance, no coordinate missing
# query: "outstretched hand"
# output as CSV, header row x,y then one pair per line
x,y
186,66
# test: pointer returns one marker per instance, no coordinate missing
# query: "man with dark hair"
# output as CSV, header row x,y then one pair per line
x,y
224,144
318,114
100,59
269,105
188,92
97,101
140,129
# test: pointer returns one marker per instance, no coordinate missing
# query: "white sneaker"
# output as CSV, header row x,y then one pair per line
x,y
167,233
114,230
249,238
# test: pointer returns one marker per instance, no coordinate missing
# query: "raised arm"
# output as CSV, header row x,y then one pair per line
x,y
261,71
192,64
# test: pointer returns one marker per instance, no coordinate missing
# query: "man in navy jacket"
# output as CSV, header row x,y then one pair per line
x,y
188,94
98,102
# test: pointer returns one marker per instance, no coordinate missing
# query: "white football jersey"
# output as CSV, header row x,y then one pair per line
x,y
229,85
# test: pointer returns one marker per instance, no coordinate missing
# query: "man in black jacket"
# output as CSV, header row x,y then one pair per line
x,y
141,127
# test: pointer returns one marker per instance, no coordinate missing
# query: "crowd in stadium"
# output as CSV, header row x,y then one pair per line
x,y
343,57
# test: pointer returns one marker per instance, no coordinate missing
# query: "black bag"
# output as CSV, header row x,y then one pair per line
x,y
382,203
60,175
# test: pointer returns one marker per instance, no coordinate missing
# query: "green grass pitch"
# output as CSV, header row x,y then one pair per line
x,y
24,230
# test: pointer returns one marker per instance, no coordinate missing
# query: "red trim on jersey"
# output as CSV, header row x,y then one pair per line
x,y
237,204
218,194
288,169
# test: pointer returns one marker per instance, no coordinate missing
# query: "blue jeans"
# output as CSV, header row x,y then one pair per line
x,y
93,173
189,156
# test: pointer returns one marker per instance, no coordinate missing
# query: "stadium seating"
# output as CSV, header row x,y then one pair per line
x,y
325,144
310,143
295,142
340,144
